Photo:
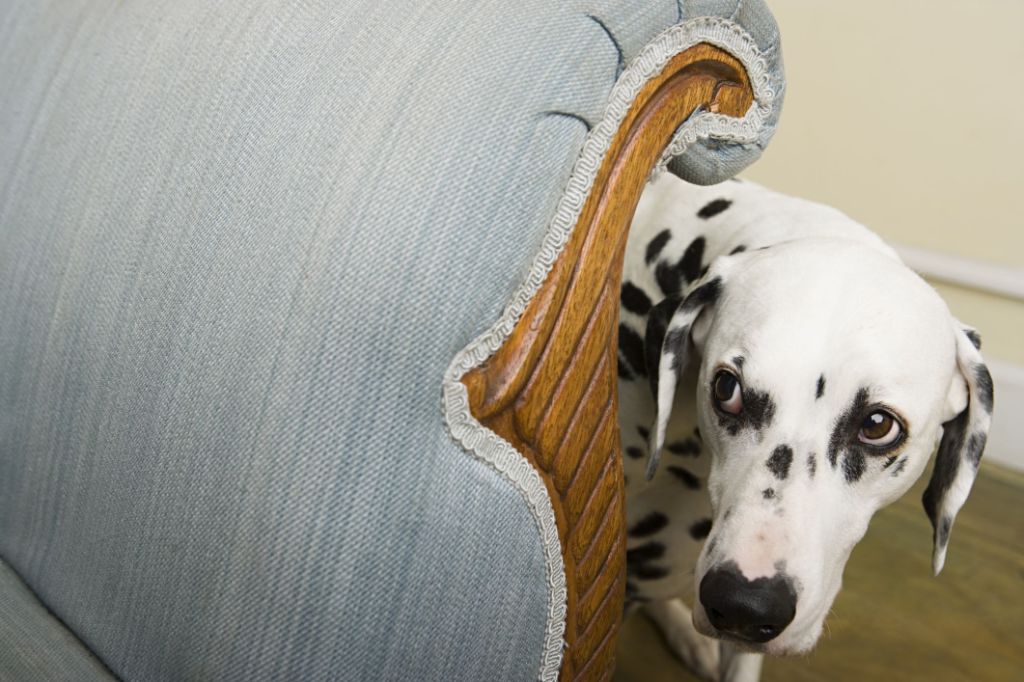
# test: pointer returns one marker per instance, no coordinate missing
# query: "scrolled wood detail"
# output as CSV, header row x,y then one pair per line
x,y
550,390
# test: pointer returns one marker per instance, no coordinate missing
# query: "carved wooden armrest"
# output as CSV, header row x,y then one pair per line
x,y
550,390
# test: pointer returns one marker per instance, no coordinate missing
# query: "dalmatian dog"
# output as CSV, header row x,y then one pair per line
x,y
782,376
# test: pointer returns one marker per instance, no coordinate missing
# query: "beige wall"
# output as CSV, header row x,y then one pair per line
x,y
909,116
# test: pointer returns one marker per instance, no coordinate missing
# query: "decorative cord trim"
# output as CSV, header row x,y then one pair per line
x,y
707,125
488,446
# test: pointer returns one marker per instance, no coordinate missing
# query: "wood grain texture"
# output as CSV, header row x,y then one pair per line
x,y
550,390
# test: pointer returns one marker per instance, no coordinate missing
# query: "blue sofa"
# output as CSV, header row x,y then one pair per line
x,y
247,250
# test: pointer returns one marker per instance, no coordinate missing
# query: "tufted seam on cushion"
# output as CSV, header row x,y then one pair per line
x,y
735,12
621,63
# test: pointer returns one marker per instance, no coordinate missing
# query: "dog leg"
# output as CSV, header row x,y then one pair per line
x,y
699,653
739,666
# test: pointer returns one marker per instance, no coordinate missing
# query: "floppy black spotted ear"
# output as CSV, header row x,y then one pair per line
x,y
666,346
963,440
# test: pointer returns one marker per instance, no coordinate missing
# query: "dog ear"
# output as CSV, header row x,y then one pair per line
x,y
963,440
666,346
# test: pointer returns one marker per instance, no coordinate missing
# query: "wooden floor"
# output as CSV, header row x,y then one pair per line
x,y
892,619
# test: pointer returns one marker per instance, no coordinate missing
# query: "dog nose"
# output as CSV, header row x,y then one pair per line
x,y
752,610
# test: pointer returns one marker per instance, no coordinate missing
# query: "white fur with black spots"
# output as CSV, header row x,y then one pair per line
x,y
782,377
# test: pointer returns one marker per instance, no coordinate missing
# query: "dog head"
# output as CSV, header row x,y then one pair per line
x,y
828,375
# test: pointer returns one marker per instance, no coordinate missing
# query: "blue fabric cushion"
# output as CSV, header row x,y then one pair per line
x,y
36,646
239,245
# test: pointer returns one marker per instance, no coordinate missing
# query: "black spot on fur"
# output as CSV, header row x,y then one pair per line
x,y
673,278
947,463
738,361
687,448
759,408
675,343
768,493
705,294
655,246
758,411
713,208
846,426
812,465
631,347
668,279
644,433
623,369
779,462
984,382
700,529
820,391
696,433
975,446
889,461
634,299
649,525
638,561
974,338
900,466
730,424
853,466
690,264
644,553
727,513
648,572
634,453
739,249
685,477
942,536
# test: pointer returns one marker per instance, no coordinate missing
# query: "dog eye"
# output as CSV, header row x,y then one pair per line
x,y
727,392
879,429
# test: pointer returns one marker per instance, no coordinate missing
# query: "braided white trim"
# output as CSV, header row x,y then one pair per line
x,y
706,125
484,443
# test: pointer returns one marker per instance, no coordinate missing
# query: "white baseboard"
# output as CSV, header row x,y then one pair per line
x,y
1006,437
1001,280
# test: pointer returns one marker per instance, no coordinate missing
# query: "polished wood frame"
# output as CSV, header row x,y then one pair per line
x,y
550,390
